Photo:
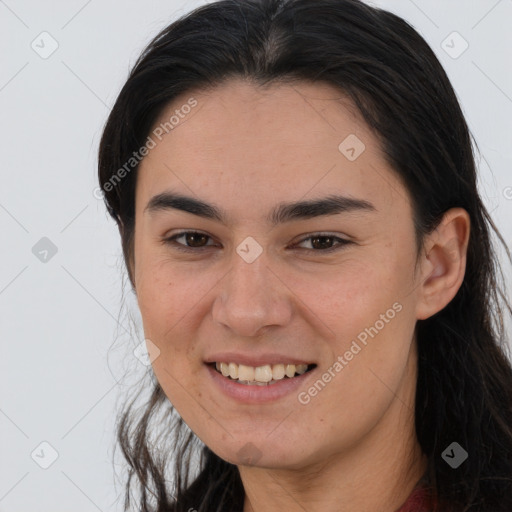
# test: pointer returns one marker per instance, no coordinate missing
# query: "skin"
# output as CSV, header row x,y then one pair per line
x,y
246,149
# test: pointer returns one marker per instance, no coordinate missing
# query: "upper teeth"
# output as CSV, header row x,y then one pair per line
x,y
264,373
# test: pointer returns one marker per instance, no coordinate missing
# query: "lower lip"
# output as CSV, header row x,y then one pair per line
x,y
252,394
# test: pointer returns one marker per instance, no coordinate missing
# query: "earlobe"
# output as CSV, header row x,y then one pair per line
x,y
444,263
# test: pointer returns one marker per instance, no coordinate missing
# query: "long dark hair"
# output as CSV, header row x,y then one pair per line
x,y
464,387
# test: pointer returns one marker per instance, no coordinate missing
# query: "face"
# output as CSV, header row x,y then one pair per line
x,y
246,277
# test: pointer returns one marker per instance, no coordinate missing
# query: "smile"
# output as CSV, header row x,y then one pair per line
x,y
261,375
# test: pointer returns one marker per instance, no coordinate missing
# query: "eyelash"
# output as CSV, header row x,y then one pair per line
x,y
181,247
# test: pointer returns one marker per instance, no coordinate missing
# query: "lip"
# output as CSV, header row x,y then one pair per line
x,y
247,394
255,360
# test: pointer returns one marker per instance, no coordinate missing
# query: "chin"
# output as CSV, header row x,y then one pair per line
x,y
262,454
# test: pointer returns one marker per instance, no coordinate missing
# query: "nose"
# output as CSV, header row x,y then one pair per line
x,y
252,298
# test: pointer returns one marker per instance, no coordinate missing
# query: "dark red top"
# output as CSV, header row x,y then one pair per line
x,y
418,501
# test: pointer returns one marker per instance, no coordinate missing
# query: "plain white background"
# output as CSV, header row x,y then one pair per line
x,y
65,338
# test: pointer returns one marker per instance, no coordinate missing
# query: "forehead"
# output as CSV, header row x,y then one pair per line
x,y
251,146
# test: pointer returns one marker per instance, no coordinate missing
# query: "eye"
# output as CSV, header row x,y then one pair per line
x,y
195,240
322,242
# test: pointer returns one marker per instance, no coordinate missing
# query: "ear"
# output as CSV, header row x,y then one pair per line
x,y
443,263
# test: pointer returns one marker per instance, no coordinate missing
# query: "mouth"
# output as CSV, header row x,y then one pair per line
x,y
265,375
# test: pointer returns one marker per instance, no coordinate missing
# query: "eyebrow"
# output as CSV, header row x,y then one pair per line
x,y
283,212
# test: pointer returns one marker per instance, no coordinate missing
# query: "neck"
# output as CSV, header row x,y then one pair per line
x,y
378,473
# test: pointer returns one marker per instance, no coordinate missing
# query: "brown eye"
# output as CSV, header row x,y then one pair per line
x,y
192,240
325,243
322,242
195,239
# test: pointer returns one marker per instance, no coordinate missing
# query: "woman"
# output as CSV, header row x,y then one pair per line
x,y
295,189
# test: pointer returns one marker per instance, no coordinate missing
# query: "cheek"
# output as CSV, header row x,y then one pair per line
x,y
168,301
174,301
367,312
349,298
159,297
